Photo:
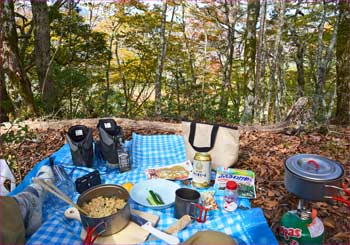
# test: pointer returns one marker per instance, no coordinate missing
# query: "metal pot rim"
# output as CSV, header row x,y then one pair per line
x,y
330,170
315,180
82,195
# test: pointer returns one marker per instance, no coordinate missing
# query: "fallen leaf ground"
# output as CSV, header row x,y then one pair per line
x,y
264,153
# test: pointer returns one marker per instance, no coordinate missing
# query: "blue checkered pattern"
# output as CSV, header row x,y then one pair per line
x,y
157,150
249,226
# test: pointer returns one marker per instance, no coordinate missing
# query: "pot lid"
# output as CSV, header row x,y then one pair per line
x,y
314,167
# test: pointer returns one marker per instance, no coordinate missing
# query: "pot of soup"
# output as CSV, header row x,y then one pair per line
x,y
107,208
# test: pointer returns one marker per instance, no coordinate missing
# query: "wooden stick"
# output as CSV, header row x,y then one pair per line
x,y
176,227
179,225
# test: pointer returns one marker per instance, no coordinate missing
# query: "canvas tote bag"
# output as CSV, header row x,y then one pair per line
x,y
221,142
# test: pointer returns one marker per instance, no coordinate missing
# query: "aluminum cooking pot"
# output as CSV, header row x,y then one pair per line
x,y
313,177
110,224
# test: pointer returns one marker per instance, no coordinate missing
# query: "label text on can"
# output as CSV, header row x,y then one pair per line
x,y
201,170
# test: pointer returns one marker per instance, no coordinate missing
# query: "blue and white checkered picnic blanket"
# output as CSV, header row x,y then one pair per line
x,y
247,226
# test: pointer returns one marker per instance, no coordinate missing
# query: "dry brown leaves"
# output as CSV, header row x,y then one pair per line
x,y
264,153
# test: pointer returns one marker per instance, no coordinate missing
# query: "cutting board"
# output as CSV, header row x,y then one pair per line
x,y
131,234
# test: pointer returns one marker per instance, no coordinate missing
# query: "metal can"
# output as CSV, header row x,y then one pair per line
x,y
201,170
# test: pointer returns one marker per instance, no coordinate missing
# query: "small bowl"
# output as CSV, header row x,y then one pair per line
x,y
164,188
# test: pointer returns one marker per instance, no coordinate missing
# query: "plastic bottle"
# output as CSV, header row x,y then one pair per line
x,y
231,196
64,183
124,160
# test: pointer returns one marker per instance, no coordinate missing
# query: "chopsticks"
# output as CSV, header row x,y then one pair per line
x,y
49,186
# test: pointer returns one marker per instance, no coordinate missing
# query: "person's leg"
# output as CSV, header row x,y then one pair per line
x,y
12,229
30,201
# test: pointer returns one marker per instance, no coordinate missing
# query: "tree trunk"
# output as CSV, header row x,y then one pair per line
x,y
108,67
191,55
279,85
178,100
322,66
226,80
204,72
299,57
342,115
320,75
3,114
331,104
299,60
6,106
123,78
249,59
259,60
227,72
268,105
15,68
161,58
42,52
276,66
298,113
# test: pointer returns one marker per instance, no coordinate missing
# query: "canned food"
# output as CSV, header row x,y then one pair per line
x,y
201,170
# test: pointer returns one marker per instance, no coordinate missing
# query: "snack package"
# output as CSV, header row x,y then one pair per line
x,y
208,200
244,178
178,171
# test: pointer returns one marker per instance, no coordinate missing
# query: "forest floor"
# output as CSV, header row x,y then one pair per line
x,y
264,153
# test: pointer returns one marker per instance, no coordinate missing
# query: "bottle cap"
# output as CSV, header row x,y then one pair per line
x,y
231,185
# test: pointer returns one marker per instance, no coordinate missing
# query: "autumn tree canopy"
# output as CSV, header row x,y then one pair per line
x,y
227,61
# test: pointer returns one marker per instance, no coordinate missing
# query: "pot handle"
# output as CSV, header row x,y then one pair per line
x,y
202,217
340,198
90,239
317,166
72,213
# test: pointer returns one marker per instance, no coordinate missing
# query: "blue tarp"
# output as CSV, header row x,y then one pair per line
x,y
247,226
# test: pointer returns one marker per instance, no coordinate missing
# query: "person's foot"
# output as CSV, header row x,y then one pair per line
x,y
45,173
31,200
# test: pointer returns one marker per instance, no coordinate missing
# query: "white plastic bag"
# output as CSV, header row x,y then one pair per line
x,y
6,174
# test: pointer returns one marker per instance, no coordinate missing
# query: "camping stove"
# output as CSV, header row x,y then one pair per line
x,y
301,226
310,178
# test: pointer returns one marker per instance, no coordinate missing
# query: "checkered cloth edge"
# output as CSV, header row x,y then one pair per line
x,y
248,227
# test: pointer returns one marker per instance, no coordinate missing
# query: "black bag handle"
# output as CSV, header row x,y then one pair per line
x,y
214,132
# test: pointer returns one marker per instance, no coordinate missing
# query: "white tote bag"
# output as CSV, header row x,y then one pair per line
x,y
221,142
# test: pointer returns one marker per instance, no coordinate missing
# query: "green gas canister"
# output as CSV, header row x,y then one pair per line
x,y
301,227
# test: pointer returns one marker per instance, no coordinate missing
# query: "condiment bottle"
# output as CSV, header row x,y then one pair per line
x,y
231,196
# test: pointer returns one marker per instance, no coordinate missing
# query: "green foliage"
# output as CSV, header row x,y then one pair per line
x,y
16,136
89,39
10,140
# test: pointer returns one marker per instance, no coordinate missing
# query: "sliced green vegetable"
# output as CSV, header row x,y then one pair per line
x,y
151,201
152,195
159,198
154,198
